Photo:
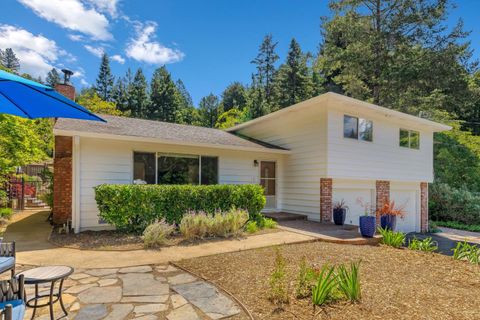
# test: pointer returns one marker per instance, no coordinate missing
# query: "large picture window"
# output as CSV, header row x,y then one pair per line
x,y
357,128
161,168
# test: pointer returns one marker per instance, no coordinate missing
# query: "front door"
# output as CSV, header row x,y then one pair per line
x,y
268,182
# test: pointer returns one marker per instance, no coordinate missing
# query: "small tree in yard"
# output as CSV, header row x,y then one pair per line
x,y
279,281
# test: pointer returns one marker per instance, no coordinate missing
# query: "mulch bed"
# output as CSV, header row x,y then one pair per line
x,y
396,283
119,241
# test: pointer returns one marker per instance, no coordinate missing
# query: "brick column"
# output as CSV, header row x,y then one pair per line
x,y
325,199
423,207
62,180
382,195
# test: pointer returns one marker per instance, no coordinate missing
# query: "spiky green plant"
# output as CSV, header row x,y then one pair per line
x,y
392,238
349,281
326,283
425,245
466,251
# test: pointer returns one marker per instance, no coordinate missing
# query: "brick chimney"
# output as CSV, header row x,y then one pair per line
x,y
62,164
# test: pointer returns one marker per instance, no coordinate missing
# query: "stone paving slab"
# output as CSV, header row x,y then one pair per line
x,y
142,284
208,299
183,313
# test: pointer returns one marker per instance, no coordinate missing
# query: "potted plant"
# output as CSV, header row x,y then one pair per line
x,y
339,212
388,215
367,221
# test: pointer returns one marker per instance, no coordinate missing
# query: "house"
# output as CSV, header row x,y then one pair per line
x,y
307,156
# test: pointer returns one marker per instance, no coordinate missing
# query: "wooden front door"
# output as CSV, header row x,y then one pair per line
x,y
269,183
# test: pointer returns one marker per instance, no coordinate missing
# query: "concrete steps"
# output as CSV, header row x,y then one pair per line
x,y
284,216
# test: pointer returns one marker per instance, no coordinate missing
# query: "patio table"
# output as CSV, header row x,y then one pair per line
x,y
49,274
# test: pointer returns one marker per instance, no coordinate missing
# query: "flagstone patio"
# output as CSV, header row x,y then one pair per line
x,y
142,293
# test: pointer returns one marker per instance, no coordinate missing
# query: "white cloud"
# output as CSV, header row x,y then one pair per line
x,y
96,51
108,6
76,37
118,58
73,15
144,48
36,53
84,83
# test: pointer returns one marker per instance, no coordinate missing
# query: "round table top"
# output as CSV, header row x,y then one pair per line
x,y
46,274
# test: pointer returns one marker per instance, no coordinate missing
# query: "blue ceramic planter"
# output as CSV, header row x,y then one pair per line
x,y
388,222
367,226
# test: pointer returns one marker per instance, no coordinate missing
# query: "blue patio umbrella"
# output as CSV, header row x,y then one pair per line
x,y
30,99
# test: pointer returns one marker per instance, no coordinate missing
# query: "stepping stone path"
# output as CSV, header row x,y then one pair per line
x,y
140,293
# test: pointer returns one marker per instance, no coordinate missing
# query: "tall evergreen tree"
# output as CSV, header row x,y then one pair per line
x,y
120,95
10,60
293,78
256,100
234,96
53,77
138,98
265,64
164,97
105,79
209,109
185,97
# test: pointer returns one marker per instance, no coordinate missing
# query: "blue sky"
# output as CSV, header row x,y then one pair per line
x,y
208,44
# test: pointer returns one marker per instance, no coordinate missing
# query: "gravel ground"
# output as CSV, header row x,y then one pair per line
x,y
396,283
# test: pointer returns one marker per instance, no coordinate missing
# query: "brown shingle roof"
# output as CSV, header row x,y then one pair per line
x,y
180,133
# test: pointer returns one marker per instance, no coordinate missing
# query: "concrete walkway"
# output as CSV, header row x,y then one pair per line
x,y
31,233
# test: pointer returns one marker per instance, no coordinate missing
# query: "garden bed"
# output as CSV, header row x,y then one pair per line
x,y
119,241
395,283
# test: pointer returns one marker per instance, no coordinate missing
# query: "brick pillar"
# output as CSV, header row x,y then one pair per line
x,y
66,90
382,195
423,207
325,199
62,180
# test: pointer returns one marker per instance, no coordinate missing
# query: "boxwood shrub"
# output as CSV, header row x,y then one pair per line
x,y
132,208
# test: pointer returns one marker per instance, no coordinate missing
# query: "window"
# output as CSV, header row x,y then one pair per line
x,y
144,167
357,128
174,169
409,139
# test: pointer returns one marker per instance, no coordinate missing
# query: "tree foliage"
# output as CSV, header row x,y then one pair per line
x,y
92,101
105,79
53,78
9,60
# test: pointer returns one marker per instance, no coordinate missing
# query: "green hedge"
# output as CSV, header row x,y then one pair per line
x,y
133,207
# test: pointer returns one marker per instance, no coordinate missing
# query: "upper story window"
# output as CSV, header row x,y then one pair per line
x,y
357,128
409,139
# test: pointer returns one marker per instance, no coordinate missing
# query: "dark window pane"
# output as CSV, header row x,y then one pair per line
x,y
414,140
209,170
365,128
269,186
177,170
267,169
350,127
144,167
404,138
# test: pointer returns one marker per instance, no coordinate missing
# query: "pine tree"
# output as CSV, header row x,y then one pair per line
x,y
185,97
10,60
265,64
53,78
209,109
256,100
293,78
105,79
234,96
164,97
120,95
138,99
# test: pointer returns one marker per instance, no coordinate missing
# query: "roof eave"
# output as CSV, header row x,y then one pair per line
x,y
63,132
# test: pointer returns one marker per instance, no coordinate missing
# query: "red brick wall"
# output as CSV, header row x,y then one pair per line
x,y
382,195
66,90
62,180
423,206
325,199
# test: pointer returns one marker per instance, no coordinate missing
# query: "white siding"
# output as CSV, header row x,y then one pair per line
x,y
305,135
381,159
110,161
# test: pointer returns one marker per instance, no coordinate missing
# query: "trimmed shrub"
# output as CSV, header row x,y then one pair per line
x,y
157,233
133,207
6,213
199,225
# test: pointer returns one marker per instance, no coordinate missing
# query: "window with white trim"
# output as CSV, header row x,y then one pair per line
x,y
409,139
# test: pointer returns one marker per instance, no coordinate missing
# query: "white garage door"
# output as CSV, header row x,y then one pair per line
x,y
350,196
408,199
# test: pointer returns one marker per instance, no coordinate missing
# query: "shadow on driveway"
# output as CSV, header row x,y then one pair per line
x,y
445,245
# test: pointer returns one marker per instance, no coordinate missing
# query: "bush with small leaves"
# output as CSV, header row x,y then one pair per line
x,y
279,286
157,233
251,226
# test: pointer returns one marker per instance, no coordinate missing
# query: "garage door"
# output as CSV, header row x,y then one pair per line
x,y
350,196
408,199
